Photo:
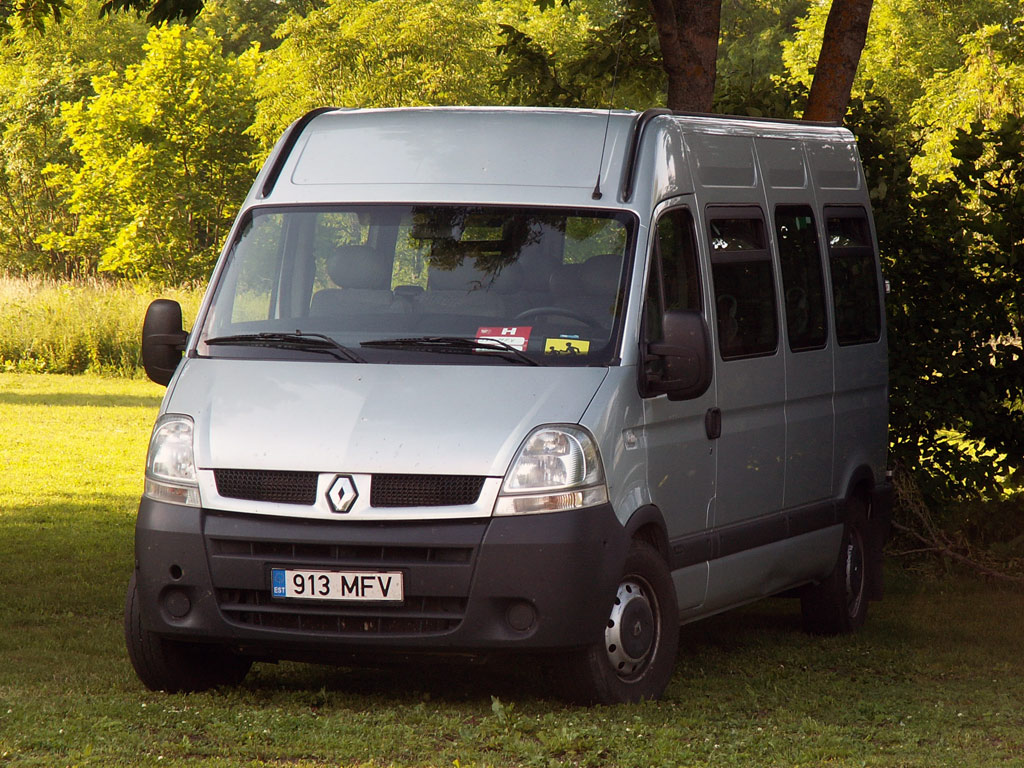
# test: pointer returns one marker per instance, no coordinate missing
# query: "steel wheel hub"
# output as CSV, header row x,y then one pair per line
x,y
631,632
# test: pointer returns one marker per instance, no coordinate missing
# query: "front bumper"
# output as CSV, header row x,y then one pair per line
x,y
535,582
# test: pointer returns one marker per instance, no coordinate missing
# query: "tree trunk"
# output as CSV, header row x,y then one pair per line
x,y
688,36
845,33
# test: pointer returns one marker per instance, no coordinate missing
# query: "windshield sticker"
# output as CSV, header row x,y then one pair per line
x,y
566,347
517,336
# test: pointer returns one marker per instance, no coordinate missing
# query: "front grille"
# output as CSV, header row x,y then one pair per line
x,y
386,490
416,616
267,485
424,490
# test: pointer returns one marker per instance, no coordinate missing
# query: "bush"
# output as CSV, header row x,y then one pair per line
x,y
75,327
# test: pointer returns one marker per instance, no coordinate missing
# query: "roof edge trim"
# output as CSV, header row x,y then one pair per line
x,y
286,148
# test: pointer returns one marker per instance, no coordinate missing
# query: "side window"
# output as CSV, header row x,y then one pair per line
x,y
854,276
253,279
741,270
674,281
802,278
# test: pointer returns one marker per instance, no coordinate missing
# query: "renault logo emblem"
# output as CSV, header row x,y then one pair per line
x,y
342,494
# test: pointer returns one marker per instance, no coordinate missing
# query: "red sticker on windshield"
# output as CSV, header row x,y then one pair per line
x,y
517,336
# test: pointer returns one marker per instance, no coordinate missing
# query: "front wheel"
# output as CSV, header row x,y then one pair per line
x,y
172,665
839,604
634,659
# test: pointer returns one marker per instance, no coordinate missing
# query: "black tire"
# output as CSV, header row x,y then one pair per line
x,y
839,604
174,666
637,666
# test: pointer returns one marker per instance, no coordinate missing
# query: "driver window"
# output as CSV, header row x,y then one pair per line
x,y
674,279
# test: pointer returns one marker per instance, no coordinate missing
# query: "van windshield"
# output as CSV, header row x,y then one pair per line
x,y
423,284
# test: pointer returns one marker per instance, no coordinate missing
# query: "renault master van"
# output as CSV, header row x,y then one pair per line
x,y
486,381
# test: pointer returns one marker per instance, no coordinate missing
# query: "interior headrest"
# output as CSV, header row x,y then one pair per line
x,y
358,266
466,277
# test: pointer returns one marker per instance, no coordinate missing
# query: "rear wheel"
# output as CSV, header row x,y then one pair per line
x,y
839,604
172,665
635,657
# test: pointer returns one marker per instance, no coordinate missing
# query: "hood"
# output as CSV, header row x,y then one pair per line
x,y
331,417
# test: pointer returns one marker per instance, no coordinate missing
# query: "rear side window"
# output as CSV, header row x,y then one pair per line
x,y
741,271
802,277
854,276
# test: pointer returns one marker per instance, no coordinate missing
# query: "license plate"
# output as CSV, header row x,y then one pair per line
x,y
375,586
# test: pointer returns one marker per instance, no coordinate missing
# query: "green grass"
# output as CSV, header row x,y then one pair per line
x,y
935,679
74,327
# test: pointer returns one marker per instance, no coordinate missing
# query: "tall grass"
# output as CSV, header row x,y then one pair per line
x,y
91,326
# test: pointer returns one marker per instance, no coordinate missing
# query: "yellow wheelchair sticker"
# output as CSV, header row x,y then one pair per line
x,y
566,347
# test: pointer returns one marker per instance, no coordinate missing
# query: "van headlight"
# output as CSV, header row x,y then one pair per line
x,y
557,468
170,465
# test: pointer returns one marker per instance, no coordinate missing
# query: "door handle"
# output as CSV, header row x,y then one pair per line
x,y
713,423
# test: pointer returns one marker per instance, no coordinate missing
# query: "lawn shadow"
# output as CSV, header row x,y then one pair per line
x,y
80,400
774,618
422,678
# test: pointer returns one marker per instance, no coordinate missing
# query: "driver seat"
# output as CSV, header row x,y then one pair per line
x,y
590,288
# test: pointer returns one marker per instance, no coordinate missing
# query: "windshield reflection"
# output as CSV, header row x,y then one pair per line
x,y
546,282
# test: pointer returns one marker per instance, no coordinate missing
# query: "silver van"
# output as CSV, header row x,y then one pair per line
x,y
484,380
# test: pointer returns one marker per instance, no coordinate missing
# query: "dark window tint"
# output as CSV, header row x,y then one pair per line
x,y
744,285
854,276
802,279
674,281
677,251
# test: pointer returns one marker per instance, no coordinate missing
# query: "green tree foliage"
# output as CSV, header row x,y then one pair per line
x,y
952,250
37,73
986,88
942,64
240,24
377,53
750,65
164,159
572,54
579,54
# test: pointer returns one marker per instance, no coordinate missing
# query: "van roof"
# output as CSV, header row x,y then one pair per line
x,y
578,157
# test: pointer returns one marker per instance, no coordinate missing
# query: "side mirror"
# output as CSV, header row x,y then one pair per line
x,y
685,355
163,340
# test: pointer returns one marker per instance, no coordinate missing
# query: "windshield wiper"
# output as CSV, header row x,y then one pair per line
x,y
307,342
458,345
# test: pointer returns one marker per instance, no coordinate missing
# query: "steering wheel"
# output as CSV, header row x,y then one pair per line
x,y
559,311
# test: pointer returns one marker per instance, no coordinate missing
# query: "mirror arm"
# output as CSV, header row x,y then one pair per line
x,y
177,340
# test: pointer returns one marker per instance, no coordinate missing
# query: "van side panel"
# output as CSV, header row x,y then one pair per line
x,y
810,419
768,570
751,390
860,369
615,417
798,417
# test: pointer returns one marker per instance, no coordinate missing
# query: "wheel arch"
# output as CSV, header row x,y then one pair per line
x,y
648,524
860,486
877,499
